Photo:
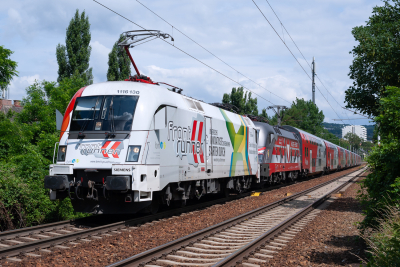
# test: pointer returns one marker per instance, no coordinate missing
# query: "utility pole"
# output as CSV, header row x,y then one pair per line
x,y
277,109
313,80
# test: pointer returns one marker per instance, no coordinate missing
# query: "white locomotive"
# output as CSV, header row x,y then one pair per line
x,y
125,144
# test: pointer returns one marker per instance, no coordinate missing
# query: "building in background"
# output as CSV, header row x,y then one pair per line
x,y
359,130
6,105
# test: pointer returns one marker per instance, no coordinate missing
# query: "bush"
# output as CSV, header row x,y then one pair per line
x,y
384,160
26,150
384,242
380,184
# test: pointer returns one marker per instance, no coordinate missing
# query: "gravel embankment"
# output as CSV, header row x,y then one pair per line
x,y
119,246
331,239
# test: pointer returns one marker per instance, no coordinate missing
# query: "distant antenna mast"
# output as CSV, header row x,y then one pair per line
x,y
135,38
313,80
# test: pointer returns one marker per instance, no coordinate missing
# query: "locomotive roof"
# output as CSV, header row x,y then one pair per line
x,y
151,97
281,132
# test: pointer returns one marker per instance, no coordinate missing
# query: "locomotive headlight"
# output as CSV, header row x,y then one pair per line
x,y
133,154
62,151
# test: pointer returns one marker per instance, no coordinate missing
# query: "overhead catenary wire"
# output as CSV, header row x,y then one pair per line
x,y
209,51
309,63
184,52
293,55
283,26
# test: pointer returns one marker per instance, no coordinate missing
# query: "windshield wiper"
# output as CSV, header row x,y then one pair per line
x,y
112,126
80,134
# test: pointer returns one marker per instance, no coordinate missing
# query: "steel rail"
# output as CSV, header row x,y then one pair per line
x,y
27,231
247,250
33,229
26,247
38,229
9,234
147,256
14,250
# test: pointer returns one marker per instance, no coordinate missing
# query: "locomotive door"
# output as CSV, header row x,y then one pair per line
x,y
209,147
311,162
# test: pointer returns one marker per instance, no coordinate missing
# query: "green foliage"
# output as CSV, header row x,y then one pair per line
x,y
264,114
242,101
389,117
367,146
384,160
304,115
384,242
73,57
376,58
118,63
7,68
60,95
26,144
354,140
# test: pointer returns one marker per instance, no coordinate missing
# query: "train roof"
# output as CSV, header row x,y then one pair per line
x,y
304,135
330,145
267,127
155,96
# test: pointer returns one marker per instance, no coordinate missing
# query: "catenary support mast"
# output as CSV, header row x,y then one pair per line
x,y
313,80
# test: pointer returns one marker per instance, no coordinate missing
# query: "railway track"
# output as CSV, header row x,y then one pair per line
x,y
42,238
249,239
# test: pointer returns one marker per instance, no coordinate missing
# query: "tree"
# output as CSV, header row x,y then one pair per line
x,y
26,150
367,146
354,140
242,101
376,58
304,115
60,94
264,114
73,57
381,188
7,69
118,63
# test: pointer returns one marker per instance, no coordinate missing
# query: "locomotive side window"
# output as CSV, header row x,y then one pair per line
x,y
271,138
256,135
198,105
190,103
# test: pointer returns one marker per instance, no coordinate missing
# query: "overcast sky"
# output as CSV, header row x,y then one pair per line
x,y
233,30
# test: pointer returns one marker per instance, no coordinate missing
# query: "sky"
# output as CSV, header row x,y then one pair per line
x,y
235,31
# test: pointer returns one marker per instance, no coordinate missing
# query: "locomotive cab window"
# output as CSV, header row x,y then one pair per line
x,y
104,113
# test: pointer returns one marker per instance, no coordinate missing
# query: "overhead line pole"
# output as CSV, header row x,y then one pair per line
x,y
277,109
307,61
313,80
